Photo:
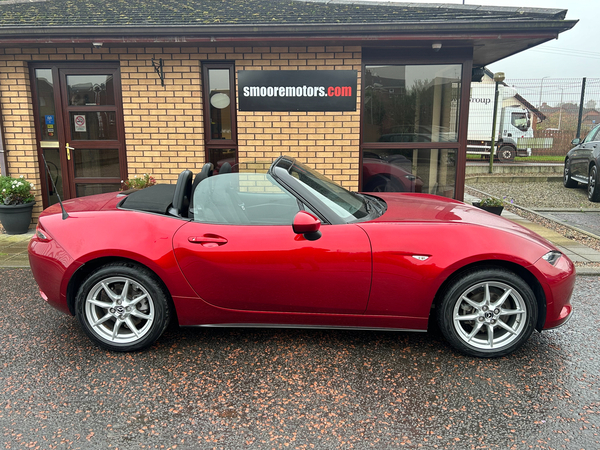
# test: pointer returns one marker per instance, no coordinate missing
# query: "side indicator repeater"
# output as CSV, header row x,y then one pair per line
x,y
421,257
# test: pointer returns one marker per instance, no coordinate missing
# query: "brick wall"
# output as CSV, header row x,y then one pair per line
x,y
164,125
19,131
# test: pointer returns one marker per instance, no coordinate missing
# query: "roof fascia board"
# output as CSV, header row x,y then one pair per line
x,y
259,32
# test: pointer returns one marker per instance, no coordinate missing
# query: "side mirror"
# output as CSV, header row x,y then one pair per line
x,y
576,141
307,225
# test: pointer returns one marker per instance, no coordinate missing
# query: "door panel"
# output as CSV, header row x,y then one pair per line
x,y
579,162
269,268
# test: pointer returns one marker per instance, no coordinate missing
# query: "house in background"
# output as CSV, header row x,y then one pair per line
x,y
107,90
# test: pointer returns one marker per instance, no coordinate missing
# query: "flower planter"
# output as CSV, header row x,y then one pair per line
x,y
493,209
16,218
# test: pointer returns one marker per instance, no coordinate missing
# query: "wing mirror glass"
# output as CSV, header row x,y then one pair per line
x,y
576,141
307,225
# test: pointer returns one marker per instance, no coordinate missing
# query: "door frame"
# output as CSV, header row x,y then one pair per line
x,y
59,72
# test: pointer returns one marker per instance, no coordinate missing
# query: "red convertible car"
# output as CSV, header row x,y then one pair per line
x,y
287,247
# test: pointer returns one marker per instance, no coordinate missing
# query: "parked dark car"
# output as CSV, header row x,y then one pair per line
x,y
581,164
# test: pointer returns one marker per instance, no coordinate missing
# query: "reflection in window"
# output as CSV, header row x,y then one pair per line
x,y
431,171
220,103
220,156
45,94
96,163
94,126
243,199
520,120
411,103
90,90
85,189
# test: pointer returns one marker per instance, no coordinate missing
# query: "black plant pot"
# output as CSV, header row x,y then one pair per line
x,y
493,209
16,218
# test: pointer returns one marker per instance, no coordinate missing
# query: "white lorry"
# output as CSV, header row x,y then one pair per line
x,y
513,122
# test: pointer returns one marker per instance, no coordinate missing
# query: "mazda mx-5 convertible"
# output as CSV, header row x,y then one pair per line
x,y
287,247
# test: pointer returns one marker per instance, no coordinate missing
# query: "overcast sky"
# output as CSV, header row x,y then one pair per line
x,y
575,54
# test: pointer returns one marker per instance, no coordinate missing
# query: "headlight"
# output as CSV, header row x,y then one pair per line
x,y
552,257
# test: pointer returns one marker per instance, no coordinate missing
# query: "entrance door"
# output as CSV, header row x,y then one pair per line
x,y
80,130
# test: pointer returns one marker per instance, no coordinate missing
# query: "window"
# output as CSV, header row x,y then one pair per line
x,y
219,113
520,120
243,199
591,135
411,103
410,123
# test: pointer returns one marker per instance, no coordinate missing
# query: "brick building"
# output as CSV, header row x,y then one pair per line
x,y
108,90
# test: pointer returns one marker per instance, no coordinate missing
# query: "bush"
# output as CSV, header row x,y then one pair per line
x,y
15,191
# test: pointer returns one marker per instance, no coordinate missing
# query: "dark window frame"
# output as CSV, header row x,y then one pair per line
x,y
209,142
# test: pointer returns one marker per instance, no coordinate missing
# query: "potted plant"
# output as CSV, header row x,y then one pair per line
x,y
138,183
491,204
16,204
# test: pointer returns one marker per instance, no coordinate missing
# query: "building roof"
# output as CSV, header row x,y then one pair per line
x,y
73,13
502,30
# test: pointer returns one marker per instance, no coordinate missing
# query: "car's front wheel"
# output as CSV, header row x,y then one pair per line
x,y
568,182
593,185
122,307
487,312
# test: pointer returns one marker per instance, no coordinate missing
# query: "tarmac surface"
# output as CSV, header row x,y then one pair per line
x,y
585,220
298,389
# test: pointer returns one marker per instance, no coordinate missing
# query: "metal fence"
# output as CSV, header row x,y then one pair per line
x,y
556,105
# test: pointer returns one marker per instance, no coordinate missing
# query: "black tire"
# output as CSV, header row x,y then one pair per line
x,y
506,153
384,184
482,325
568,182
593,185
122,321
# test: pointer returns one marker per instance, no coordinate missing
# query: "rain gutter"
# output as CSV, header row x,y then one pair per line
x,y
241,33
3,158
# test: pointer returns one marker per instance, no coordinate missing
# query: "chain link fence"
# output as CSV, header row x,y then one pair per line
x,y
556,105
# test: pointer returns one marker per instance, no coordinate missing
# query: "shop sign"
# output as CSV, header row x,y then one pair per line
x,y
297,90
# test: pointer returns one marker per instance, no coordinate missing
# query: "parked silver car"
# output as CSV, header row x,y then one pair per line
x,y
582,164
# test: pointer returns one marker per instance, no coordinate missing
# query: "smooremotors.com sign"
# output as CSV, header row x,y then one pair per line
x,y
297,90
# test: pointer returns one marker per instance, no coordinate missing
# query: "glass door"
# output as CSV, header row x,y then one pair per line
x,y
93,121
79,118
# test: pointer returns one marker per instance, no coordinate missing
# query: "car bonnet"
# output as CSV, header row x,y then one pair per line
x,y
411,207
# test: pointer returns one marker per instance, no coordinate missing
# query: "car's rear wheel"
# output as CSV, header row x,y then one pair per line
x,y
487,312
568,182
593,185
122,307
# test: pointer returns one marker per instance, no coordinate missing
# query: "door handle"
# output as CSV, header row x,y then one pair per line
x,y
208,240
69,151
